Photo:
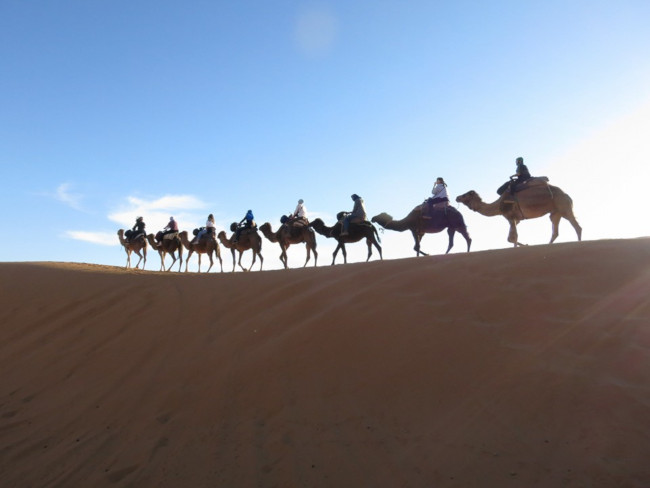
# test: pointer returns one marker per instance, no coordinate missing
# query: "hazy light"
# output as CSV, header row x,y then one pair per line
x,y
315,32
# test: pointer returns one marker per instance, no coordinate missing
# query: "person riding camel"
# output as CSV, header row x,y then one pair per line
x,y
357,215
170,228
137,231
440,196
209,228
299,214
522,174
248,222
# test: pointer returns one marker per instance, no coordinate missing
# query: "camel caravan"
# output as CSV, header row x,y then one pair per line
x,y
521,197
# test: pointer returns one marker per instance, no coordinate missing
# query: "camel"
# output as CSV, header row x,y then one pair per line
x,y
356,233
167,246
446,218
136,246
530,203
287,235
207,245
248,239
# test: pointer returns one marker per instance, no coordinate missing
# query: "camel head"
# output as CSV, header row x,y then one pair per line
x,y
223,238
266,229
319,226
382,219
471,198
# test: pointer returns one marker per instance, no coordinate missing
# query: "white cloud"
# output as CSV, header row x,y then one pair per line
x,y
102,238
156,212
64,195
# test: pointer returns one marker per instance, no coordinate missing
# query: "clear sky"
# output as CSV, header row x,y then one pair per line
x,y
113,109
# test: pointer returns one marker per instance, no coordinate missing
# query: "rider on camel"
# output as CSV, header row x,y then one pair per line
x,y
170,228
358,214
137,231
299,214
248,222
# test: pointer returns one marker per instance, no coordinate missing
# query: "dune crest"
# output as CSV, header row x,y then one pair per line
x,y
469,370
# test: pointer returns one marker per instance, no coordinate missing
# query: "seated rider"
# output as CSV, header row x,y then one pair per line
x,y
209,228
248,222
300,213
440,196
522,174
358,214
170,228
137,230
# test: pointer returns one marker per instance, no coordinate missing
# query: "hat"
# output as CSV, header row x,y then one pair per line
x,y
355,196
301,201
171,218
519,160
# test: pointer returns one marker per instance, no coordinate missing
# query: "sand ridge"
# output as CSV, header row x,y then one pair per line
x,y
526,366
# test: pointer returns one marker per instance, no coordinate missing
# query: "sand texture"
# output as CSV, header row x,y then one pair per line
x,y
525,367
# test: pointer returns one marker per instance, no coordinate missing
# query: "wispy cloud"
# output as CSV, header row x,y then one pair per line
x,y
101,238
156,212
64,195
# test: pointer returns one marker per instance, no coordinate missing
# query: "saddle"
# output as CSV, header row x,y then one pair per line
x,y
131,237
435,215
516,187
210,234
170,236
427,208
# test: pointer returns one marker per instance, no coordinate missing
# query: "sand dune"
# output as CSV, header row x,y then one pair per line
x,y
521,367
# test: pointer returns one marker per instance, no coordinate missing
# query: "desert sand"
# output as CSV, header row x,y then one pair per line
x,y
525,367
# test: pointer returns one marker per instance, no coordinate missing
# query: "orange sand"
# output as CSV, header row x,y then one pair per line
x,y
520,367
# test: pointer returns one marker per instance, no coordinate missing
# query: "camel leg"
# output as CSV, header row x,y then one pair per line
x,y
261,260
369,243
376,244
240,265
217,253
336,251
173,255
174,259
211,263
512,234
283,257
450,232
555,225
232,251
468,239
187,261
180,257
308,254
575,225
313,249
418,237
137,266
254,257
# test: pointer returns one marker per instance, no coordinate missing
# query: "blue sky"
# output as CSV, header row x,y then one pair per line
x,y
115,109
